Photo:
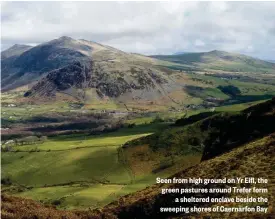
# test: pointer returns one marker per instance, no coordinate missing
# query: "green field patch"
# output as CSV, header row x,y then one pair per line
x,y
83,141
76,141
61,167
71,197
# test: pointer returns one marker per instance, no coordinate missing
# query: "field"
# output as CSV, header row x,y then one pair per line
x,y
71,171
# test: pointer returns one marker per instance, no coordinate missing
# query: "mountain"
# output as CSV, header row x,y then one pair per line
x,y
108,71
92,73
34,63
15,50
273,61
179,53
220,60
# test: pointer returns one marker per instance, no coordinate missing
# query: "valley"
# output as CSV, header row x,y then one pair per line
x,y
78,163
83,173
85,126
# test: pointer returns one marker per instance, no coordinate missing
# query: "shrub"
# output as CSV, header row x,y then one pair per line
x,y
157,119
163,165
56,202
7,148
43,138
131,125
230,90
6,181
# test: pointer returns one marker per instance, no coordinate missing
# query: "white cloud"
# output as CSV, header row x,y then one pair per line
x,y
199,43
146,27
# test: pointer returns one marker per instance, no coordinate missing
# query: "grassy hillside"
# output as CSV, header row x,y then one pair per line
x,y
186,91
220,60
211,132
252,159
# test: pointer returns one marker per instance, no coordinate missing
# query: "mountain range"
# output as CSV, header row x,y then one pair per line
x,y
89,71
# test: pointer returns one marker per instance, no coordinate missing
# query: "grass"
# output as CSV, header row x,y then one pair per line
x,y
76,196
84,141
85,195
23,112
141,120
101,104
61,167
216,61
237,107
248,90
172,116
226,108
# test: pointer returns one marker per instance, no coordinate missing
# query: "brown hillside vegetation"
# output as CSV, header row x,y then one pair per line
x,y
255,159
230,131
15,207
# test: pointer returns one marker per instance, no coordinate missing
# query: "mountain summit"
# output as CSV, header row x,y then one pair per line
x,y
66,65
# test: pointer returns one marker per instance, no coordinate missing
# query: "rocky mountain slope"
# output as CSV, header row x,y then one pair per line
x,y
36,62
15,50
109,71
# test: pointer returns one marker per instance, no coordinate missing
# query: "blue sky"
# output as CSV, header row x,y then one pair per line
x,y
146,27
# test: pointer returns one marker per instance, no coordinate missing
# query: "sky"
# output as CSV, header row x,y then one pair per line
x,y
146,27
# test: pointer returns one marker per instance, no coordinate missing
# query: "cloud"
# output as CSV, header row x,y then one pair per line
x,y
146,27
199,43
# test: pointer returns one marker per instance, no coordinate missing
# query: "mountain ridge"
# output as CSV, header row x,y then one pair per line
x,y
15,50
123,77
220,60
